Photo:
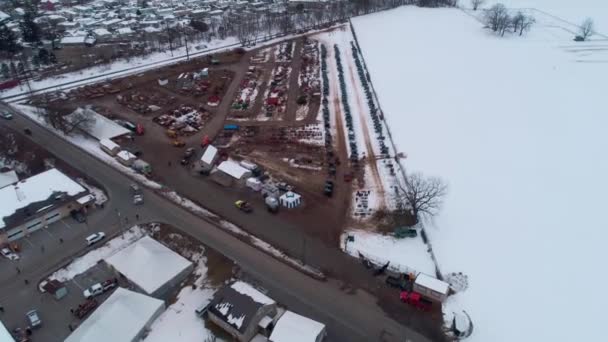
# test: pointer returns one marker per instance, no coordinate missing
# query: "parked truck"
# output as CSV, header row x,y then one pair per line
x,y
416,300
142,167
272,203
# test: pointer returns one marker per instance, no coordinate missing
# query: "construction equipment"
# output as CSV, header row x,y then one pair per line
x,y
178,143
244,206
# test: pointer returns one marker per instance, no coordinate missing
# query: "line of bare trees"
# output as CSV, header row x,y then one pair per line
x,y
499,19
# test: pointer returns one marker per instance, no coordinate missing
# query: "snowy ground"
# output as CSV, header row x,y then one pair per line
x,y
381,182
179,321
516,126
573,11
408,255
85,262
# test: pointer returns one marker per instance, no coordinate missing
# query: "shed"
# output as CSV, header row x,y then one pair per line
x,y
125,157
209,158
56,288
290,199
431,288
292,327
233,169
109,147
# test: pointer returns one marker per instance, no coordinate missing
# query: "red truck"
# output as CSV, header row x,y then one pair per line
x,y
415,299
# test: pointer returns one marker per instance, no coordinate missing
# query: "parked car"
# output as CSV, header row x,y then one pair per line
x,y
84,309
138,199
6,115
10,255
109,284
243,206
33,318
94,290
94,238
78,216
329,188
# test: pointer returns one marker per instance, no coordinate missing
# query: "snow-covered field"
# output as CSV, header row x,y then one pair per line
x,y
516,126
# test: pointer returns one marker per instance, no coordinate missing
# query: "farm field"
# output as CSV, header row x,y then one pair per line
x,y
515,126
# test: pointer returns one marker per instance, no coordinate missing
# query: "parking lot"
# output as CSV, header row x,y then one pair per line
x,y
41,253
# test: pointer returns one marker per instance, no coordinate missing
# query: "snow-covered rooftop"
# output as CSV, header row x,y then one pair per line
x,y
134,263
238,304
233,169
432,283
103,128
109,144
126,155
7,178
101,32
121,317
209,154
292,327
37,188
73,40
248,290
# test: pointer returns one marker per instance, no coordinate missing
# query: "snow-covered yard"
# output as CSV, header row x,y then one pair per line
x,y
407,255
179,321
516,126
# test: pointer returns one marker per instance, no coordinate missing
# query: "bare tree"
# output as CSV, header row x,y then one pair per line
x,y
477,3
497,18
424,195
82,119
586,29
526,24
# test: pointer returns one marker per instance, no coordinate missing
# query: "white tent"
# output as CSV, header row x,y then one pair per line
x,y
124,316
290,199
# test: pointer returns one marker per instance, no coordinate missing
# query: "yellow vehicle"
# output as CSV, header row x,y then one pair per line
x,y
178,143
171,134
243,206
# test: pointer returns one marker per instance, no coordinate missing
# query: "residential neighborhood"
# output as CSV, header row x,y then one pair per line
x,y
301,170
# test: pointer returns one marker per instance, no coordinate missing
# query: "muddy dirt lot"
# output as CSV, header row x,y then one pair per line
x,y
271,94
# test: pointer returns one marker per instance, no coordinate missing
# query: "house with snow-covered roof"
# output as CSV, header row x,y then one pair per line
x,y
239,308
38,201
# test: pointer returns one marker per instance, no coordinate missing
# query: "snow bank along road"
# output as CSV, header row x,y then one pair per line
x,y
348,317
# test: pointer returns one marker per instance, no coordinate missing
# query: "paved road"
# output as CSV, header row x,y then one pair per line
x,y
349,317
